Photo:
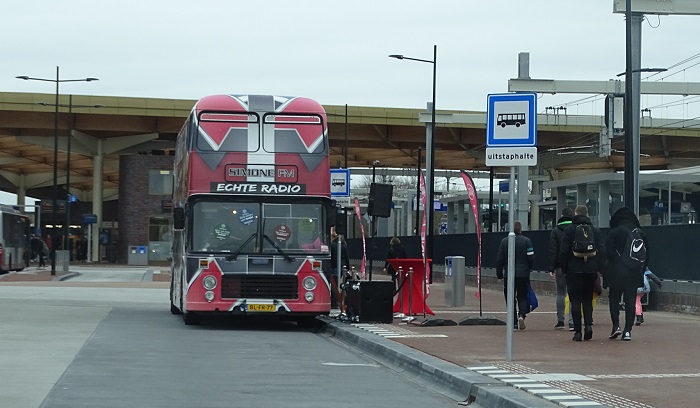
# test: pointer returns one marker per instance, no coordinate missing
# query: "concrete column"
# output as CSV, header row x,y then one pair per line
x,y
410,216
450,217
471,224
603,204
581,194
522,203
534,208
97,186
561,200
460,218
21,192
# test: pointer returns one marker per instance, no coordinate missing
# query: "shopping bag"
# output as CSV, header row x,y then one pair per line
x,y
531,300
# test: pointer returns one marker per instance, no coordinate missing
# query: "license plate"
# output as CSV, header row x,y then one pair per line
x,y
252,307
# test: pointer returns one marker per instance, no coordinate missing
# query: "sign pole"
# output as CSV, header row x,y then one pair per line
x,y
510,323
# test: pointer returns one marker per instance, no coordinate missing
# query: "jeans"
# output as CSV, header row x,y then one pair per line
x,y
580,287
522,285
560,280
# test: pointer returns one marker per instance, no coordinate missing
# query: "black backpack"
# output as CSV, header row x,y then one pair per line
x,y
634,253
584,242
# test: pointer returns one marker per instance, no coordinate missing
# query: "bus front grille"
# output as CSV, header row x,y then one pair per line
x,y
260,286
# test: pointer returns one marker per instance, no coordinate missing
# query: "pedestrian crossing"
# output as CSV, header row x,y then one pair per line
x,y
392,332
562,389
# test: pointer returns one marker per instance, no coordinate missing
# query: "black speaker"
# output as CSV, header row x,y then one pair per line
x,y
380,196
376,301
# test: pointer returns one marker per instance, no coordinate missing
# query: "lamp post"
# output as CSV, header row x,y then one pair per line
x,y
70,106
57,81
429,154
373,222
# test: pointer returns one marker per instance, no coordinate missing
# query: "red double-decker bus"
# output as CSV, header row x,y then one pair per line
x,y
252,209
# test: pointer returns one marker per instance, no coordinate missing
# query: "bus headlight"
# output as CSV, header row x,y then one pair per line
x,y
309,297
209,282
209,295
309,283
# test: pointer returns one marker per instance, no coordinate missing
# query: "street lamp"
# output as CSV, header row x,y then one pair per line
x,y
430,155
70,106
57,81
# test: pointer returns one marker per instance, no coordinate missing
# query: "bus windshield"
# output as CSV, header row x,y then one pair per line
x,y
259,227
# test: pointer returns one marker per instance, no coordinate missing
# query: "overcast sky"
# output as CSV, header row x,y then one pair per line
x,y
335,52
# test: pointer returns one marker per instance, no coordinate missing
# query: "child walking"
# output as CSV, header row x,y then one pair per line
x,y
648,275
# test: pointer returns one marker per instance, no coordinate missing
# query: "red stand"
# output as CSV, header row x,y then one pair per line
x,y
413,287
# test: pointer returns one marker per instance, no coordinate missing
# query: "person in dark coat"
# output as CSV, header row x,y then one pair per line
x,y
555,238
622,281
581,273
396,250
344,262
524,259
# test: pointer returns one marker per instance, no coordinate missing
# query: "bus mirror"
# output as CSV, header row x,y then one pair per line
x,y
178,218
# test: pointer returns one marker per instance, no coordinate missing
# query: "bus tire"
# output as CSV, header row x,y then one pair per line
x,y
190,319
174,309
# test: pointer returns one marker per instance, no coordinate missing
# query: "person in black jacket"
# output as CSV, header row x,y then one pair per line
x,y
555,238
524,259
344,261
396,250
581,272
623,281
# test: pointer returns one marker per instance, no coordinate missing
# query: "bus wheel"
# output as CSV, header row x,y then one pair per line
x,y
174,310
306,322
190,319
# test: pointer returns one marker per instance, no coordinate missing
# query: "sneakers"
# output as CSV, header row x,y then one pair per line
x,y
627,336
640,320
521,323
615,333
577,336
559,326
588,333
571,328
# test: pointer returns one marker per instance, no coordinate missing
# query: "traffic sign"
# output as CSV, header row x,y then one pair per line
x,y
511,120
340,182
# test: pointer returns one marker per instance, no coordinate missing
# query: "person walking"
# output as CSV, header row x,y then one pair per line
x,y
396,250
623,275
555,238
644,290
524,259
582,256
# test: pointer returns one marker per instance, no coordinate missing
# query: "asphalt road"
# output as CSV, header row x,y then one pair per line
x,y
74,347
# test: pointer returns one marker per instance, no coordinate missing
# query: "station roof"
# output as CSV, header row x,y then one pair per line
x,y
358,137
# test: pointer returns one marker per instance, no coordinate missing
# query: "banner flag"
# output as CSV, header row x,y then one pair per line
x,y
426,266
474,204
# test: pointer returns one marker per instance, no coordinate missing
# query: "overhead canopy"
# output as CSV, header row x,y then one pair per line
x,y
358,137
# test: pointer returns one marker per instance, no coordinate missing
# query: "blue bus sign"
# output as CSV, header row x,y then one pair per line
x,y
511,120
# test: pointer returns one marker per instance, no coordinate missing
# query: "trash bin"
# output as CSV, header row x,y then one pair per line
x,y
138,255
454,281
62,260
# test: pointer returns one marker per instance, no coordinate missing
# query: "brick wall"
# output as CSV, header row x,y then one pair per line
x,y
135,204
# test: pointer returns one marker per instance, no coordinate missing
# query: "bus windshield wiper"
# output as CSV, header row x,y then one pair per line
x,y
234,255
277,247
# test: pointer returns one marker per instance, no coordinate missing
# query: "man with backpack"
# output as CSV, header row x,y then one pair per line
x,y
628,255
555,238
582,256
